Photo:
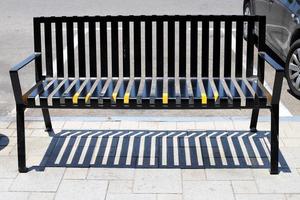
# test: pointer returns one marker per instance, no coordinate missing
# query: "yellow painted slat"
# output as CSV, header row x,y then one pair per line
x,y
216,95
126,98
114,96
87,97
75,98
204,98
165,98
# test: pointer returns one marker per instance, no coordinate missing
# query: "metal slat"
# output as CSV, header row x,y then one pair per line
x,y
141,92
67,91
70,49
87,98
227,48
216,48
114,95
194,48
240,92
48,49
45,95
250,48
153,91
59,49
104,90
190,91
103,48
177,91
137,48
182,48
171,49
165,92
37,48
202,91
205,47
92,49
128,91
126,48
77,93
81,48
115,48
148,48
160,48
50,98
239,48
37,97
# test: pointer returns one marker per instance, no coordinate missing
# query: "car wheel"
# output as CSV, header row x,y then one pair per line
x,y
247,11
292,69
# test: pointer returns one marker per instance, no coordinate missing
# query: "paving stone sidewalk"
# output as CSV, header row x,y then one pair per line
x,y
207,182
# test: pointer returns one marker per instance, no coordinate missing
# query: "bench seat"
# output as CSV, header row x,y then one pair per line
x,y
148,92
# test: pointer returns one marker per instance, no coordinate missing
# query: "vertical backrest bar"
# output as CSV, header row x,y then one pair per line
x,y
37,48
103,48
182,48
148,47
227,48
171,48
239,48
250,48
126,49
216,48
137,48
194,48
205,47
115,48
81,48
70,48
160,48
59,49
261,47
48,49
92,49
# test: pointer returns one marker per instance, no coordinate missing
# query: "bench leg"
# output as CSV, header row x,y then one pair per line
x,y
254,117
47,119
274,139
21,139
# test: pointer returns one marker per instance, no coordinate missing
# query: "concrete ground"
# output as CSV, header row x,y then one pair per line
x,y
232,164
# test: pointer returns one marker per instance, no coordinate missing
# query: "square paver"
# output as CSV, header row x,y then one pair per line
x,y
42,196
82,189
207,190
247,187
120,187
279,184
5,184
110,174
14,195
35,181
76,173
229,174
260,197
157,181
193,174
131,197
169,197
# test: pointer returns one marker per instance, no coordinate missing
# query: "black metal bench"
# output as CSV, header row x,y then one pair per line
x,y
148,62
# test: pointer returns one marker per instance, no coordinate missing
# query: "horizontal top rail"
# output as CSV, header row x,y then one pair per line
x,y
149,18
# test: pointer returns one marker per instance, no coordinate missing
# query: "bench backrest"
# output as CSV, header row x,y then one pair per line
x,y
174,46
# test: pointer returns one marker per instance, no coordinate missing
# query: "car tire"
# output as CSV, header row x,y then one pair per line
x,y
292,69
246,11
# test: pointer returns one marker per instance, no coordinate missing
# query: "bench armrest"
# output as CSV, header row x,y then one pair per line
x,y
278,77
14,76
271,61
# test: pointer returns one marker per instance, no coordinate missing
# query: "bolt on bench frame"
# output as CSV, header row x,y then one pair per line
x,y
162,74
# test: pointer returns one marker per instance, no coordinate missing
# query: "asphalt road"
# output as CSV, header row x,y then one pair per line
x,y
16,41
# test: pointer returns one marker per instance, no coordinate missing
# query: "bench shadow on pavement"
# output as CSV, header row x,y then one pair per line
x,y
159,149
